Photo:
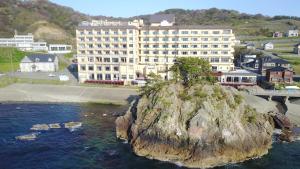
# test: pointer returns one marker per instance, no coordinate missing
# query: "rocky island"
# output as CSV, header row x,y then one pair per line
x,y
195,123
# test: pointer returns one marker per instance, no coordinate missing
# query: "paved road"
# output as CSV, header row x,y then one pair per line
x,y
65,94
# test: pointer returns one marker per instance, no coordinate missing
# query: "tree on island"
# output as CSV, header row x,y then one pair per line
x,y
192,70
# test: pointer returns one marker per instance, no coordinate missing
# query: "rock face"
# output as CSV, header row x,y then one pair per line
x,y
199,127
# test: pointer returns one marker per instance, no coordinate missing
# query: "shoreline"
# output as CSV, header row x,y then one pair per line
x,y
36,93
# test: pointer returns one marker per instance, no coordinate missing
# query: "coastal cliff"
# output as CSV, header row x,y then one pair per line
x,y
200,126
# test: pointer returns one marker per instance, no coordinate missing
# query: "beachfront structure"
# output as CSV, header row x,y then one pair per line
x,y
279,75
238,77
126,51
268,46
59,49
39,63
23,42
292,33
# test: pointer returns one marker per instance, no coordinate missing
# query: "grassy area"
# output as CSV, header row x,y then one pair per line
x,y
7,67
69,55
295,62
8,55
6,81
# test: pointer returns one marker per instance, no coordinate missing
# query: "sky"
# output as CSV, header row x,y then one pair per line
x,y
127,8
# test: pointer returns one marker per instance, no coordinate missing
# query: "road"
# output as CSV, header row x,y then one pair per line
x,y
65,94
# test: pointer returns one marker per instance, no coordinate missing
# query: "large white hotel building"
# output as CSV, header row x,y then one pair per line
x,y
126,51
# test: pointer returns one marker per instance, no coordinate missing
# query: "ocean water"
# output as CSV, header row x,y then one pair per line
x,y
94,146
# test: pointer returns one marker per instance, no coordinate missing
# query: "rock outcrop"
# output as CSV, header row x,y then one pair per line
x,y
198,127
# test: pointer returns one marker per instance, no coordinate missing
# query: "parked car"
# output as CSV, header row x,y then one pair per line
x,y
51,75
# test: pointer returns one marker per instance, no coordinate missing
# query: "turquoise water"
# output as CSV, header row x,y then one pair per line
x,y
94,145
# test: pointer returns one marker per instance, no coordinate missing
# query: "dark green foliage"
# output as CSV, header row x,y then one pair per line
x,y
249,115
192,70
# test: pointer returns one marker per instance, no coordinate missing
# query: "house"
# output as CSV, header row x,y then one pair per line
x,y
297,49
293,33
59,49
269,62
162,20
277,35
279,75
250,46
39,63
268,46
238,77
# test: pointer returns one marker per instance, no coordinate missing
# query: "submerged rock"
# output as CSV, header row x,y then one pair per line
x,y
72,126
28,137
55,126
40,127
199,127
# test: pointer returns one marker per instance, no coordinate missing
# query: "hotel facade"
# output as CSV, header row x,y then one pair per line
x,y
127,51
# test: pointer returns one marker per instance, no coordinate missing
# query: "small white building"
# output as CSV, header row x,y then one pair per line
x,y
59,49
268,46
39,63
293,33
162,20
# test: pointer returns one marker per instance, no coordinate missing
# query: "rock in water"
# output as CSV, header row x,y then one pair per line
x,y
55,126
40,127
199,127
72,126
27,137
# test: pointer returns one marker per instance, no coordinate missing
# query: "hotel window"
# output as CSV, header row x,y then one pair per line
x,y
99,68
91,59
146,52
226,39
215,46
204,32
99,77
165,32
107,68
131,52
90,33
155,59
90,39
124,39
131,77
174,32
99,59
99,45
215,60
155,32
81,46
184,53
174,39
115,32
146,46
215,39
131,60
91,68
91,76
107,52
91,45
204,46
116,68
82,67
130,31
165,52
146,39
106,39
155,52
204,52
155,46
194,46
225,46
99,32
124,46
204,39
107,77
131,45
216,32
116,46
124,52
146,32
123,60
81,39
131,38
82,33
91,52
185,39
106,32
116,52
165,46
124,77
147,59
174,46
194,39
225,52
184,32
194,32
184,46
155,39
224,59
124,32
165,39
195,53
82,52
98,39
214,52
107,46
115,60
116,39
175,53
106,60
